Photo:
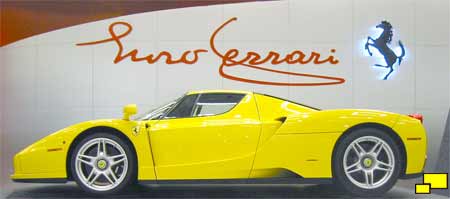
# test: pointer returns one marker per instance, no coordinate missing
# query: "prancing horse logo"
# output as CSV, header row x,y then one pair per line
x,y
381,44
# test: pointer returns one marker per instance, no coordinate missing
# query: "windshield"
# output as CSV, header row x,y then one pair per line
x,y
158,112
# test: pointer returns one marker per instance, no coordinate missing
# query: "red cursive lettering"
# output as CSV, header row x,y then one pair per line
x,y
252,60
150,58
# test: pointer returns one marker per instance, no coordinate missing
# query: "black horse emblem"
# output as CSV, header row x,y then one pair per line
x,y
381,44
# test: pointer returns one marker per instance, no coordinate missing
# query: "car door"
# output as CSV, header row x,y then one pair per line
x,y
207,136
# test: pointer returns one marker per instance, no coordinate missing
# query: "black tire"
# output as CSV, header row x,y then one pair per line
x,y
130,175
340,177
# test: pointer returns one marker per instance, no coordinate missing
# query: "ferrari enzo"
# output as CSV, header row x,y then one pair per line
x,y
231,136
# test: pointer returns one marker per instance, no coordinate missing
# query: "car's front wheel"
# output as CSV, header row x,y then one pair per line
x,y
367,162
102,164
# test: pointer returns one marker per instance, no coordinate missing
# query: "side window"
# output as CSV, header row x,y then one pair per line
x,y
216,103
184,108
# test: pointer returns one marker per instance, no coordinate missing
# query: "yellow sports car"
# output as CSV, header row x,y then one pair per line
x,y
231,136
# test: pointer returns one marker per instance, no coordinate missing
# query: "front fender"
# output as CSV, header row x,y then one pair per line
x,y
47,157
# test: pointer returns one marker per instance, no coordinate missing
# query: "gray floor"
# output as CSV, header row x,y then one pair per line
x,y
70,190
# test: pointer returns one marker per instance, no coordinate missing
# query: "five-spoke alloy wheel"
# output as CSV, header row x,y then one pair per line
x,y
371,168
367,162
102,163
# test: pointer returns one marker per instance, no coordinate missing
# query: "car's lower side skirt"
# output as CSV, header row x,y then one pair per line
x,y
42,180
289,180
245,181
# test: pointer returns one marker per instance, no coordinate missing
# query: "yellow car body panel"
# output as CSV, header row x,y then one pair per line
x,y
307,137
211,147
47,157
260,137
414,138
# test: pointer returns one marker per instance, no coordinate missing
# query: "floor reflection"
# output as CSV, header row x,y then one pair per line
x,y
202,191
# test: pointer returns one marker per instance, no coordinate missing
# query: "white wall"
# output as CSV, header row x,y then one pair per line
x,y
50,83
449,76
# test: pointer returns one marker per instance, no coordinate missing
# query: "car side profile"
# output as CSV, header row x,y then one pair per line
x,y
235,136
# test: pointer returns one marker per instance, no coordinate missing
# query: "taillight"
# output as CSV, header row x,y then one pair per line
x,y
417,116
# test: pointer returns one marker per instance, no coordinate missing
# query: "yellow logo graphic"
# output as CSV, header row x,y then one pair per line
x,y
432,181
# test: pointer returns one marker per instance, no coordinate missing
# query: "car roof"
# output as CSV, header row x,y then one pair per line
x,y
219,91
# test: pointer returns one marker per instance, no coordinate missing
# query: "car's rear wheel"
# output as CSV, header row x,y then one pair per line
x,y
102,164
367,162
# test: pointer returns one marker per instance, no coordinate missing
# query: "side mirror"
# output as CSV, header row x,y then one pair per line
x,y
129,110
